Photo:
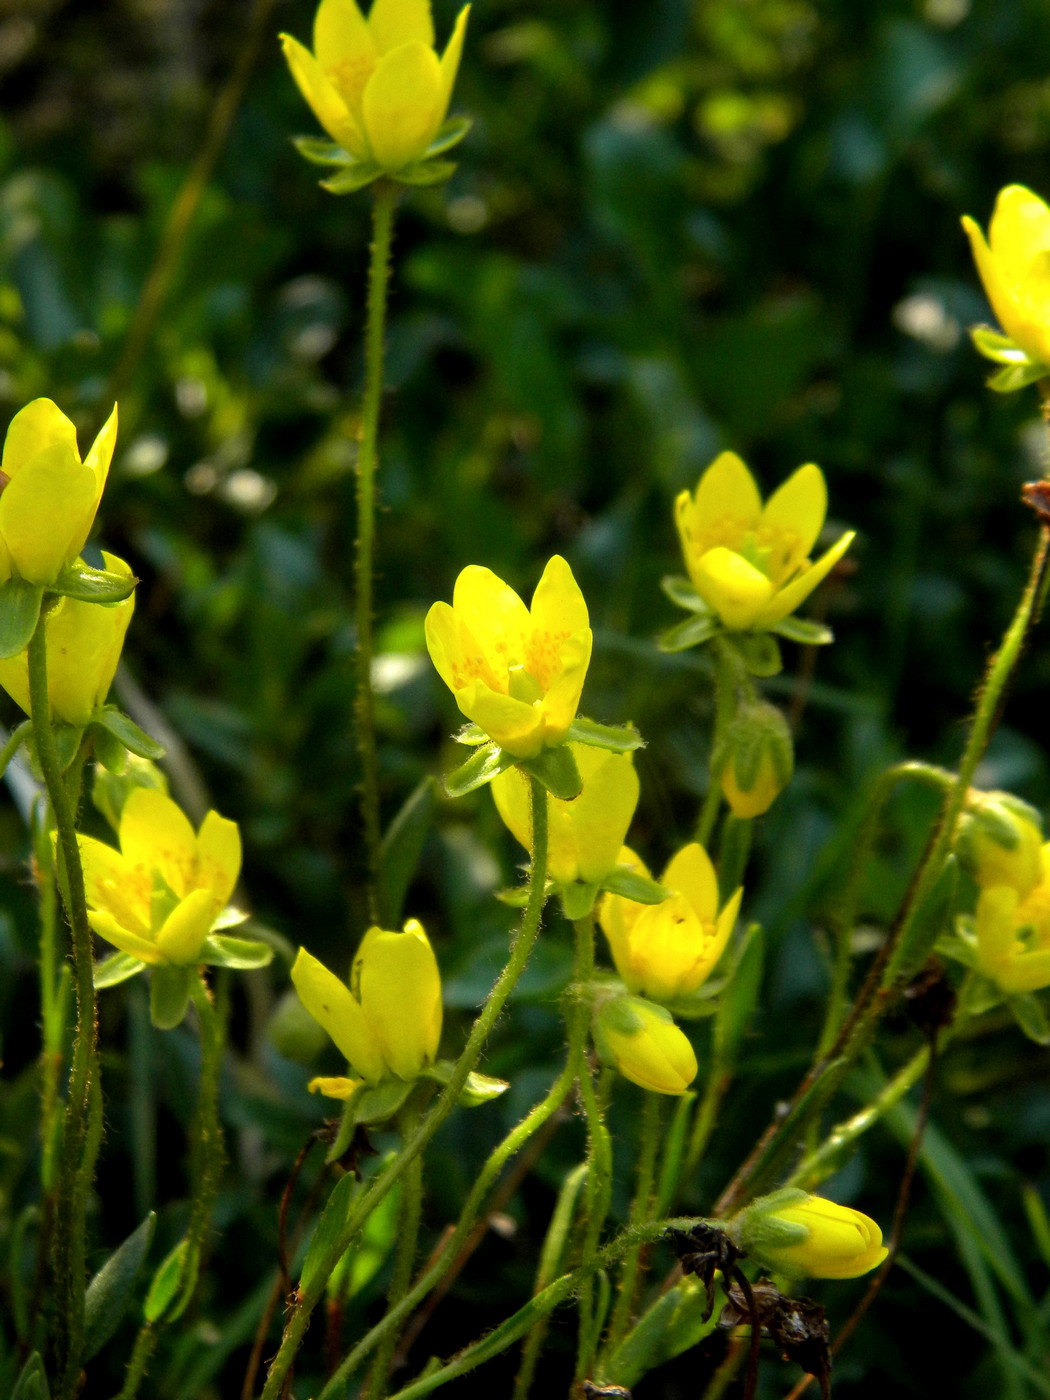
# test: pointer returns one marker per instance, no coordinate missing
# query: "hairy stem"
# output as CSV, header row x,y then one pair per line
x,y
641,1212
409,1214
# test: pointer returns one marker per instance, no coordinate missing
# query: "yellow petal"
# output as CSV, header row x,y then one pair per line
x,y
334,1086
113,884
617,915
998,291
456,653
183,932
396,22
1025,972
842,1243
725,924
98,463
42,510
799,506
156,833
510,792
1019,230
994,923
604,809
342,36
331,1005
38,426
84,642
107,927
789,597
450,59
691,874
323,99
402,105
736,590
218,857
727,490
657,1055
518,727
558,606
494,615
401,998
562,700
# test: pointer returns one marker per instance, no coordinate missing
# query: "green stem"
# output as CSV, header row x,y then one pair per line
x,y
69,1238
727,677
409,1215
521,949
386,193
641,1212
706,1116
552,1261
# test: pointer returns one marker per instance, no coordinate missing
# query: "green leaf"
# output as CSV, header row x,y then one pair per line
x,y
110,1292
450,134
617,738
318,151
556,770
625,881
473,735
425,172
109,751
352,177
479,1088
931,919
577,899
19,612
230,917
92,585
690,633
703,1002
127,731
164,1283
759,651
116,969
329,1229
169,994
993,345
32,1381
1030,1014
67,742
803,631
244,954
681,592
401,849
1013,377
382,1102
480,768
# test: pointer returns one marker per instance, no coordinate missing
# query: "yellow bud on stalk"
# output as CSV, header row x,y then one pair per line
x,y
756,760
795,1233
999,841
1014,265
642,1042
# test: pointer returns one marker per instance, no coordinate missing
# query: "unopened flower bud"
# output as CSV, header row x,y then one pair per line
x,y
756,760
795,1233
999,841
642,1042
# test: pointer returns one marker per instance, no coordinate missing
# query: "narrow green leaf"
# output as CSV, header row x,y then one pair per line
x,y
929,922
128,732
329,1229
690,633
402,847
426,172
617,738
19,612
321,152
630,884
472,735
109,751
451,133
681,591
116,969
169,994
556,770
352,178
32,1381
480,768
1012,377
479,1088
162,1287
382,1102
244,954
993,345
110,1292
804,631
92,585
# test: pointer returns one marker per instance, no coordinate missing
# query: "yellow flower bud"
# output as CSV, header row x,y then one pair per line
x,y
376,85
750,563
49,496
668,950
515,671
84,642
642,1043
1013,933
757,760
794,1233
158,896
584,836
1014,265
388,1021
999,841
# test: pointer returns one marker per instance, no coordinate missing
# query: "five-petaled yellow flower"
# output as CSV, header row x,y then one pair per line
x,y
84,642
750,563
1014,265
584,836
800,1234
666,951
49,496
516,672
159,895
388,1021
376,85
1013,933
642,1043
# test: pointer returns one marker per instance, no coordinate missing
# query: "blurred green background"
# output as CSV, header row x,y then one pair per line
x,y
675,227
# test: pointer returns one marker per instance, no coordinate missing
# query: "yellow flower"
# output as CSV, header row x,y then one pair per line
x,y
750,563
642,1043
516,672
810,1235
49,496
666,951
158,896
84,642
376,85
584,836
1000,841
1013,933
1015,268
388,1021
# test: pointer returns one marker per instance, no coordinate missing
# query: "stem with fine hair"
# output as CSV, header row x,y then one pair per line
x,y
522,947
727,677
386,193
77,1160
410,1211
641,1211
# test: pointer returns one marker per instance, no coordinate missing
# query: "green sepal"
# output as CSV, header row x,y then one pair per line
x,y
377,1103
577,899
479,1088
691,633
111,971
1030,1014
20,604
1013,377
242,954
230,917
993,345
682,593
89,585
759,651
128,733
481,767
804,631
32,1381
617,738
347,1128
109,751
451,133
161,1294
627,882
518,895
319,151
353,176
702,1002
471,735
425,172
169,994
110,1292
556,770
